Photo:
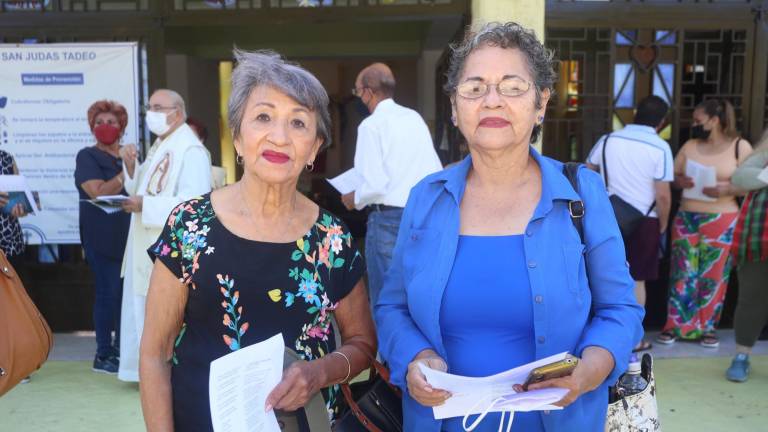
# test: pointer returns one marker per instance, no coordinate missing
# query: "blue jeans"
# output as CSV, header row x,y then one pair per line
x,y
106,305
380,240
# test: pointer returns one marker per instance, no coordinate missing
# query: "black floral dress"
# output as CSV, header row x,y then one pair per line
x,y
243,292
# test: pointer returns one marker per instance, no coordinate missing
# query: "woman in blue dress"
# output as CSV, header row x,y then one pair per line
x,y
506,282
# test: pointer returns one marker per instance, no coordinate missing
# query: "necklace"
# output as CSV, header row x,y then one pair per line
x,y
246,211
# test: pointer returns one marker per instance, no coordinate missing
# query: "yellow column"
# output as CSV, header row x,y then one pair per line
x,y
527,13
227,149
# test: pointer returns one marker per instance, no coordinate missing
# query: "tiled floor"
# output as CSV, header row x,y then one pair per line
x,y
681,349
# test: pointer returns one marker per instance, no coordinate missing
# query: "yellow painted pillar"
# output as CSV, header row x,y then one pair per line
x,y
527,13
227,148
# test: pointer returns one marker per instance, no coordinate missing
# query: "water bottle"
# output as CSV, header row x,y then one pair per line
x,y
632,382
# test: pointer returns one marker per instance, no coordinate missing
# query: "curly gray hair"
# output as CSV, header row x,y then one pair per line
x,y
267,68
541,60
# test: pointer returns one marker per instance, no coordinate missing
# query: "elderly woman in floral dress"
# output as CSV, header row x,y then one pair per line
x,y
254,259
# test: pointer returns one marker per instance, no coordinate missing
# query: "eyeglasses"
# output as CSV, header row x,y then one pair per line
x,y
358,92
157,107
513,86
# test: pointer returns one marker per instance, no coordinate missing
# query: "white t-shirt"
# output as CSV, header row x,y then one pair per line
x,y
636,157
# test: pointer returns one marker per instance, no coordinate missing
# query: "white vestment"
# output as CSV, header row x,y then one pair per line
x,y
176,169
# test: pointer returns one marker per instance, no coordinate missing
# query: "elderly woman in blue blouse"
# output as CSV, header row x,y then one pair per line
x,y
507,278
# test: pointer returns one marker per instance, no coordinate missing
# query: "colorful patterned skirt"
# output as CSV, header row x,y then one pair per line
x,y
699,271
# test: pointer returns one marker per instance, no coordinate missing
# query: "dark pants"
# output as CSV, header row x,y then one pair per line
x,y
106,305
752,305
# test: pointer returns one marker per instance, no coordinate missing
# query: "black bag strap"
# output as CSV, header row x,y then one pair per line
x,y
603,168
736,151
576,208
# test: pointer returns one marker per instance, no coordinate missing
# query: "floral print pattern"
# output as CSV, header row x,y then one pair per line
x,y
232,316
189,239
243,292
699,272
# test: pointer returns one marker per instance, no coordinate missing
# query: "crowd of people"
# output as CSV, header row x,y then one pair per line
x,y
473,269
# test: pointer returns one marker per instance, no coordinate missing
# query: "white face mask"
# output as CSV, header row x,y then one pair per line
x,y
157,122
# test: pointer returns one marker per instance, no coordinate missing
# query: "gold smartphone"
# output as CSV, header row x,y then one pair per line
x,y
557,369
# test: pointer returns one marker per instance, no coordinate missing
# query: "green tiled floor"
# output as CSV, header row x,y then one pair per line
x,y
67,396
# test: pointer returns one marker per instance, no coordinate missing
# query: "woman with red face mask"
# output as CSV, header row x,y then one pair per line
x,y
98,172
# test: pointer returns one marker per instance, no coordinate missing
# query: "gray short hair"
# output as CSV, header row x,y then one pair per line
x,y
177,100
267,68
541,60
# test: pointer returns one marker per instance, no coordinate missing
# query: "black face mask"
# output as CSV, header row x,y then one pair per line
x,y
698,132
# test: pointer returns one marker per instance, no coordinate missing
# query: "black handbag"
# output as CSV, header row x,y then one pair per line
x,y
374,405
627,216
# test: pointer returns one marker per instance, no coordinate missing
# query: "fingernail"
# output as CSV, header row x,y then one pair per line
x,y
268,408
428,389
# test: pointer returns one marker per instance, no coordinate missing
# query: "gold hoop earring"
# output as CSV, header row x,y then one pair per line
x,y
239,159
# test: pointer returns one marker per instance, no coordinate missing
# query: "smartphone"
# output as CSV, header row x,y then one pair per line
x,y
557,369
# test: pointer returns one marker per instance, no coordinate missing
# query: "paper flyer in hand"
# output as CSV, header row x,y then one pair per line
x,y
474,395
239,384
19,193
703,176
346,182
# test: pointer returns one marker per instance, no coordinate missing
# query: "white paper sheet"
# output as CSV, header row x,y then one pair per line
x,y
703,176
109,203
763,175
473,395
239,384
347,181
18,183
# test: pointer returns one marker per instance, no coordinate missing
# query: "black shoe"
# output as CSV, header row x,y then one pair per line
x,y
107,365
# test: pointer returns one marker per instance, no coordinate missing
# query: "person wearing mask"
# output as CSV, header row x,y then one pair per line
x,y
489,271
98,172
750,251
177,168
261,255
639,171
702,230
394,152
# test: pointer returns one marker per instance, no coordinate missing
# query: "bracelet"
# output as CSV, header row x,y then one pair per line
x,y
349,365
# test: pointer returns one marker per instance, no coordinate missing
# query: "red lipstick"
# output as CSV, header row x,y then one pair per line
x,y
494,122
276,157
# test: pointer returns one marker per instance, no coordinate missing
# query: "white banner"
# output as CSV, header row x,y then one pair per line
x,y
45,92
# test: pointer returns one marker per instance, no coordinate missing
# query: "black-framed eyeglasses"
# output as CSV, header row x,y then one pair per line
x,y
512,87
358,92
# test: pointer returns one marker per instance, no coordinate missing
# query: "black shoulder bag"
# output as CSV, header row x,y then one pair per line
x,y
627,216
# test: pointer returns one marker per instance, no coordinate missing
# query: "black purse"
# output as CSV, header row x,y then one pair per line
x,y
374,405
627,216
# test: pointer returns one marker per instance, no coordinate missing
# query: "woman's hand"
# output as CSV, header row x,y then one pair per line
x,y
3,199
133,204
18,211
593,368
301,380
418,387
720,190
682,181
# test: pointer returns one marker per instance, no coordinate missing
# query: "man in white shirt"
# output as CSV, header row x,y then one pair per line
x,y
394,152
637,165
177,168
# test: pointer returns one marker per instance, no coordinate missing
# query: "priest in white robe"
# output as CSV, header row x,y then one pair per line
x,y
177,168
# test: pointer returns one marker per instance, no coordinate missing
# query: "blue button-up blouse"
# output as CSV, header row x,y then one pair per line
x,y
570,310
